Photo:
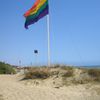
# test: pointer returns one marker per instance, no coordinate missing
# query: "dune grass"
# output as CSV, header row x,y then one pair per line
x,y
37,73
95,74
69,73
66,73
46,72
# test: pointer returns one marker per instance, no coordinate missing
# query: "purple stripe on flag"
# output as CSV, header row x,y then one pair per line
x,y
41,15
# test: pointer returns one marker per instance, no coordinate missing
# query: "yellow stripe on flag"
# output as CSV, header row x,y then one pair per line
x,y
42,2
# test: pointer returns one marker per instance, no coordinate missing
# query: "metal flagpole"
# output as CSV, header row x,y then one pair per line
x,y
48,30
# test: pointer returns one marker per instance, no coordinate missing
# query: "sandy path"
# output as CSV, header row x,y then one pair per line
x,y
12,89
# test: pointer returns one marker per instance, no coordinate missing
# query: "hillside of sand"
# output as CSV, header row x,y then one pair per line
x,y
13,88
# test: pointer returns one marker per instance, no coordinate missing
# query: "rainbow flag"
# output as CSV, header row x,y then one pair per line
x,y
39,9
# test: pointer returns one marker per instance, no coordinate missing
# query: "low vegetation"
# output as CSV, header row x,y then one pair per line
x,y
46,72
6,68
95,74
37,73
69,75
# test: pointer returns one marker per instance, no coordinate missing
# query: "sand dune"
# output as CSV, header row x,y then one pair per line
x,y
12,89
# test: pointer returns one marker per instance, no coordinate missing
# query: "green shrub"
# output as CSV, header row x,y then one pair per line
x,y
6,68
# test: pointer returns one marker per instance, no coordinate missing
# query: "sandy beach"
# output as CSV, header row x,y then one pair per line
x,y
11,88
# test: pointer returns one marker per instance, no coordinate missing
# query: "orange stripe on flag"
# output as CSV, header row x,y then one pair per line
x,y
33,7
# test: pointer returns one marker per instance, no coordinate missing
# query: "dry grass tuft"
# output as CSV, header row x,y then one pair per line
x,y
37,73
46,72
69,73
67,68
95,74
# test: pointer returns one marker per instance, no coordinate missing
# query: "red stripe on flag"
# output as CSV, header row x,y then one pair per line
x,y
33,7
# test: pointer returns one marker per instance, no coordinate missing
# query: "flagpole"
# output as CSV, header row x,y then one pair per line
x,y
48,31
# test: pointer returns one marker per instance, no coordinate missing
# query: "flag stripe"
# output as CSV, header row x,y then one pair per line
x,y
35,7
39,10
41,15
38,7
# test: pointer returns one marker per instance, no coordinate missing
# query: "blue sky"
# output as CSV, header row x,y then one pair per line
x,y
74,33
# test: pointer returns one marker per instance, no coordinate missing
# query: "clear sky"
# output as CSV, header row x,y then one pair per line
x,y
74,32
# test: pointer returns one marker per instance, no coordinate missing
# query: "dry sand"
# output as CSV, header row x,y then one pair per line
x,y
13,89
